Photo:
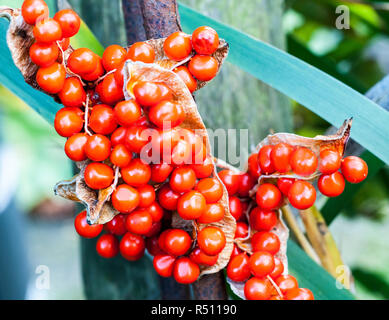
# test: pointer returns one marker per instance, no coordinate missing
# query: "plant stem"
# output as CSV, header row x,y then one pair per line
x,y
302,240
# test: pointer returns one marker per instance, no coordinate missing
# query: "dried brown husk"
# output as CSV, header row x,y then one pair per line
x,y
138,71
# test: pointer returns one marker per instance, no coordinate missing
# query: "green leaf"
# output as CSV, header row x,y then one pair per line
x,y
319,92
310,275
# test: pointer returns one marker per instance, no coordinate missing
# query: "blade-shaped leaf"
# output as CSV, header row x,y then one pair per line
x,y
322,94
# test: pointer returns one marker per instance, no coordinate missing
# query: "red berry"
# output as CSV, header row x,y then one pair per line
x,y
284,184
147,196
265,241
330,161
82,61
139,222
107,246
211,189
203,68
230,180
214,212
331,185
257,289
98,147
264,160
177,46
302,195
125,198
246,183
182,179
185,271
64,43
201,258
211,240
98,175
84,229
191,205
280,156
253,166
137,173
168,198
261,263
262,220
354,169
268,197
166,114
236,208
205,40
186,77
242,230
95,74
164,264
117,225
299,294
44,54
137,137
68,122
278,268
153,247
127,112
47,31
110,91
69,21
286,282
303,161
72,93
52,78
118,136
147,93
141,51
75,147
113,57
177,242
203,170
132,246
120,156
160,172
34,10
155,210
238,268
102,119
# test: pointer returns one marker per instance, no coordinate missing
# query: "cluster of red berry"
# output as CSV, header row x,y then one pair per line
x,y
285,159
106,130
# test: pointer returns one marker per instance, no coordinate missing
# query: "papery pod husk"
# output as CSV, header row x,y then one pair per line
x,y
138,71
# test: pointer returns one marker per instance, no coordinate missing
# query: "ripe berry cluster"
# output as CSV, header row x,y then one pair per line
x,y
285,159
109,132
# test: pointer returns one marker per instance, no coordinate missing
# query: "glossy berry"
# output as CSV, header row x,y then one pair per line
x,y
95,74
168,198
155,229
127,112
84,229
117,225
177,46
33,10
205,40
147,197
177,242
262,220
147,93
125,198
235,251
51,79
139,222
236,208
265,241
201,258
203,68
211,240
154,209
261,263
164,264
153,247
268,197
280,156
44,54
257,289
191,205
82,61
253,166
284,185
68,122
211,189
160,172
120,156
69,21
238,268
98,147
98,175
64,43
246,183
185,75
132,246
166,114
137,137
278,268
303,161
182,179
185,271
264,160
331,185
213,212
72,93
110,91
302,195
203,170
118,136
242,230
107,246
102,119
286,282
299,294
113,57
230,180
330,161
137,173
141,51
354,169
47,31
75,147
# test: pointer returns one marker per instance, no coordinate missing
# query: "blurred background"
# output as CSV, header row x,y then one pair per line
x,y
36,228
